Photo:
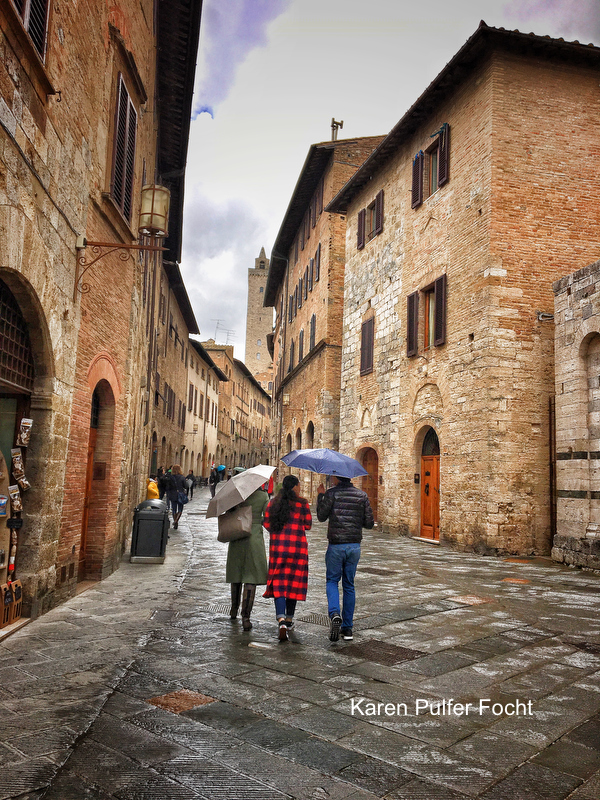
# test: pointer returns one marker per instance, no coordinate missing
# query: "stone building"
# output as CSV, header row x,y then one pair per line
x,y
203,411
222,355
577,367
252,405
83,102
482,195
305,286
259,324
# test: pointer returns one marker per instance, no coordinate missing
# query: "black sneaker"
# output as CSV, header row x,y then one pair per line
x,y
336,624
347,634
289,623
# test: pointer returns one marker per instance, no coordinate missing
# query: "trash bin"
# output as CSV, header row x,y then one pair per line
x,y
150,532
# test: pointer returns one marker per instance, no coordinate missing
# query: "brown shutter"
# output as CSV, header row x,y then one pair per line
x,y
440,311
360,234
318,263
311,274
124,151
366,346
299,292
379,212
417,180
306,284
412,324
301,345
444,155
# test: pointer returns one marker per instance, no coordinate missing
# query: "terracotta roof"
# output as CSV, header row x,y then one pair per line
x,y
476,48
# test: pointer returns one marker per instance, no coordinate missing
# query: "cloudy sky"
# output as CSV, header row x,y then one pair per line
x,y
272,73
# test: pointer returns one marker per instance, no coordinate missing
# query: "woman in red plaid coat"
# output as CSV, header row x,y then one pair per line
x,y
287,517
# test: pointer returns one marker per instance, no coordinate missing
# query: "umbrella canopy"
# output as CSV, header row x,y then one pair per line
x,y
221,468
239,469
325,462
238,488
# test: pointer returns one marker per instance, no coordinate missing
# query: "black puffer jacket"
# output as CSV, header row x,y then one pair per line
x,y
348,510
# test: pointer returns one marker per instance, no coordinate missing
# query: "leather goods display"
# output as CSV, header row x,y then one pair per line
x,y
235,524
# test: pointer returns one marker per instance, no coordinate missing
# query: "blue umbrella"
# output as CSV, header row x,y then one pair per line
x,y
325,462
221,468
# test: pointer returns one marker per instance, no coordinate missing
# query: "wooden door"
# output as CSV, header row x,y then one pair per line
x,y
86,502
430,497
370,462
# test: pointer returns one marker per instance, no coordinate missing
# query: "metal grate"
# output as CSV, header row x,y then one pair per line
x,y
315,619
381,652
16,360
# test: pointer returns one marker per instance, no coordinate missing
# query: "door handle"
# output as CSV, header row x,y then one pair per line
x,y
427,489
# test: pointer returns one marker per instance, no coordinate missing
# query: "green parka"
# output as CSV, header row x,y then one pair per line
x,y
247,558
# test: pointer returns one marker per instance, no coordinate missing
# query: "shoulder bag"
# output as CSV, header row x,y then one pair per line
x,y
235,524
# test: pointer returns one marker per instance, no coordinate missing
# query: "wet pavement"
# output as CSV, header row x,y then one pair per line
x,y
142,688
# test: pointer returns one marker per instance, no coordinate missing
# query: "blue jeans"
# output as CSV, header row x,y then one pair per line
x,y
284,607
341,561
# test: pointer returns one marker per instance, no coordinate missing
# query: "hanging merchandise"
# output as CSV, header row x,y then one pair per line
x,y
3,505
23,483
15,499
13,553
24,432
18,470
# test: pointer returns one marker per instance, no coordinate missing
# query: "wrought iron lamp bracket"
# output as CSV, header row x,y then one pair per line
x,y
99,250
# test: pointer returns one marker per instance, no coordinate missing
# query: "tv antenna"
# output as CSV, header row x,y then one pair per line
x,y
335,126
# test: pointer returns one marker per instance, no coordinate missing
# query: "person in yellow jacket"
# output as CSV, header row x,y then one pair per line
x,y
152,488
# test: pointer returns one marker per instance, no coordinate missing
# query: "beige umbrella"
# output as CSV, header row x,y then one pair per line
x,y
238,488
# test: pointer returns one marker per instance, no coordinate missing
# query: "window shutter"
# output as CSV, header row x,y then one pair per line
x,y
444,155
291,367
412,324
300,346
440,311
417,180
291,308
311,274
313,330
379,212
306,284
300,292
318,263
360,234
124,151
295,301
366,346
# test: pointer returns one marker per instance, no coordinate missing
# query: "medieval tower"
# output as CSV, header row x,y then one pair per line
x,y
259,323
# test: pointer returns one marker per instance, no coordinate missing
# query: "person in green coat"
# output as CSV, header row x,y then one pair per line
x,y
247,561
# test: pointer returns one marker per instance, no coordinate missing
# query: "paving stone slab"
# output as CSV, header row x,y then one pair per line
x,y
500,754
223,716
45,742
272,735
533,782
68,786
157,788
133,741
25,776
375,776
587,734
589,790
216,781
418,789
570,758
321,755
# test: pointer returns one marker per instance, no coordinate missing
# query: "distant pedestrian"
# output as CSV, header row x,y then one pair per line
x,y
247,561
189,484
176,487
349,511
152,492
287,519
161,482
213,479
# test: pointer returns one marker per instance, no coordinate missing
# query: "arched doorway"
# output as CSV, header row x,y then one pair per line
x,y
370,482
298,439
99,455
430,486
310,435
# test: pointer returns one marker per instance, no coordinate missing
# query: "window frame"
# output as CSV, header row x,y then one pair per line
x,y
367,345
124,150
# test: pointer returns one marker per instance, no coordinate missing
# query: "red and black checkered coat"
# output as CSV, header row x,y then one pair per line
x,y
288,554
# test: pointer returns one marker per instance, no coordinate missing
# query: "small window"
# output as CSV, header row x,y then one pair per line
x,y
258,356
34,15
259,342
431,169
370,221
366,346
261,290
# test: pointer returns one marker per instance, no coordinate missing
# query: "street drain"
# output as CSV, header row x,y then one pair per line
x,y
184,700
381,652
315,619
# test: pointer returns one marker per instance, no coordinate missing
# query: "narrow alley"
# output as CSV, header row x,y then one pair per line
x,y
141,687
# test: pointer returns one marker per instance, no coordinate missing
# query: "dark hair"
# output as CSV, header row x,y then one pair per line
x,y
280,510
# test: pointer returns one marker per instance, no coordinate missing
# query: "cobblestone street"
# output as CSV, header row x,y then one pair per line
x,y
106,696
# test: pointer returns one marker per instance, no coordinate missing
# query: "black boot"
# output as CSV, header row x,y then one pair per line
x,y
236,596
247,603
